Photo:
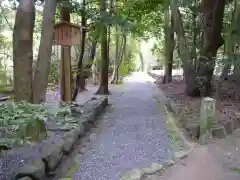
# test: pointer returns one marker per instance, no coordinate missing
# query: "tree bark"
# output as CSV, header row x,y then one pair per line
x,y
194,33
122,57
183,51
212,18
44,57
116,59
80,81
103,87
169,46
22,50
119,58
141,61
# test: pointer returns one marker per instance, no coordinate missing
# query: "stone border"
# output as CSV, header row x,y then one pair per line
x,y
221,130
51,152
138,174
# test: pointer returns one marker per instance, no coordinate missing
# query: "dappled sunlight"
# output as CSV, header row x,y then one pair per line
x,y
86,78
139,77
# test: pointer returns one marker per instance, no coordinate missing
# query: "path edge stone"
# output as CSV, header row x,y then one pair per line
x,y
52,153
154,168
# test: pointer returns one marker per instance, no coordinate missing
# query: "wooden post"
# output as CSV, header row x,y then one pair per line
x,y
65,57
66,76
66,35
62,80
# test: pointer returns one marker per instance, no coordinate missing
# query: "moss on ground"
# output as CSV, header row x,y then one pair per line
x,y
177,141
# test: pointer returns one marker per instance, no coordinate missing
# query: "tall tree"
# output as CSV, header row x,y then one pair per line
x,y
45,50
80,77
120,50
198,76
168,45
103,86
23,50
213,19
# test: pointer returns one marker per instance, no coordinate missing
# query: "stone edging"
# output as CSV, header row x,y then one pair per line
x,y
138,174
219,131
51,153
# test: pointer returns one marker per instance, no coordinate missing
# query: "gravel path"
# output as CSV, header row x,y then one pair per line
x,y
133,135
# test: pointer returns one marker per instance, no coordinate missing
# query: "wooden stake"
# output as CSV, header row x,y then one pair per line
x,y
66,92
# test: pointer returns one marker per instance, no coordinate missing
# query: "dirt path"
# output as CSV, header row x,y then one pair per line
x,y
204,163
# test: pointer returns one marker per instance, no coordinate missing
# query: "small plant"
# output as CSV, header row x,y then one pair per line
x,y
202,80
13,121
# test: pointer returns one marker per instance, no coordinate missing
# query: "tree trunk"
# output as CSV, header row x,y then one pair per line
x,y
183,51
44,57
119,58
94,72
122,57
95,67
198,80
22,50
169,46
194,33
141,61
116,59
103,87
80,81
199,83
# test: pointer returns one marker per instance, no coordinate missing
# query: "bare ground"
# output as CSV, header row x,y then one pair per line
x,y
227,100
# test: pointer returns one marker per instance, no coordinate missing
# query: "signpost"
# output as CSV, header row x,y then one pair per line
x,y
66,34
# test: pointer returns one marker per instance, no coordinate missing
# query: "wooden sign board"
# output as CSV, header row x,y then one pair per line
x,y
66,34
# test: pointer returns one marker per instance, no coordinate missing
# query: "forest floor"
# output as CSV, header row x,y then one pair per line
x,y
227,100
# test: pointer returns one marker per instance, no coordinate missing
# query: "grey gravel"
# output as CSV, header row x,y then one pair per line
x,y
133,136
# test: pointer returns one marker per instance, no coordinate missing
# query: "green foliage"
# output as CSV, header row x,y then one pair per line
x,y
14,116
54,73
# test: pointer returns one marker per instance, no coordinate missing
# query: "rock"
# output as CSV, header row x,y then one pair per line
x,y
76,109
69,139
170,162
136,174
51,118
35,129
52,154
87,120
207,115
36,170
104,101
236,123
180,155
155,167
193,129
89,106
25,178
81,129
219,132
61,127
93,98
229,126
